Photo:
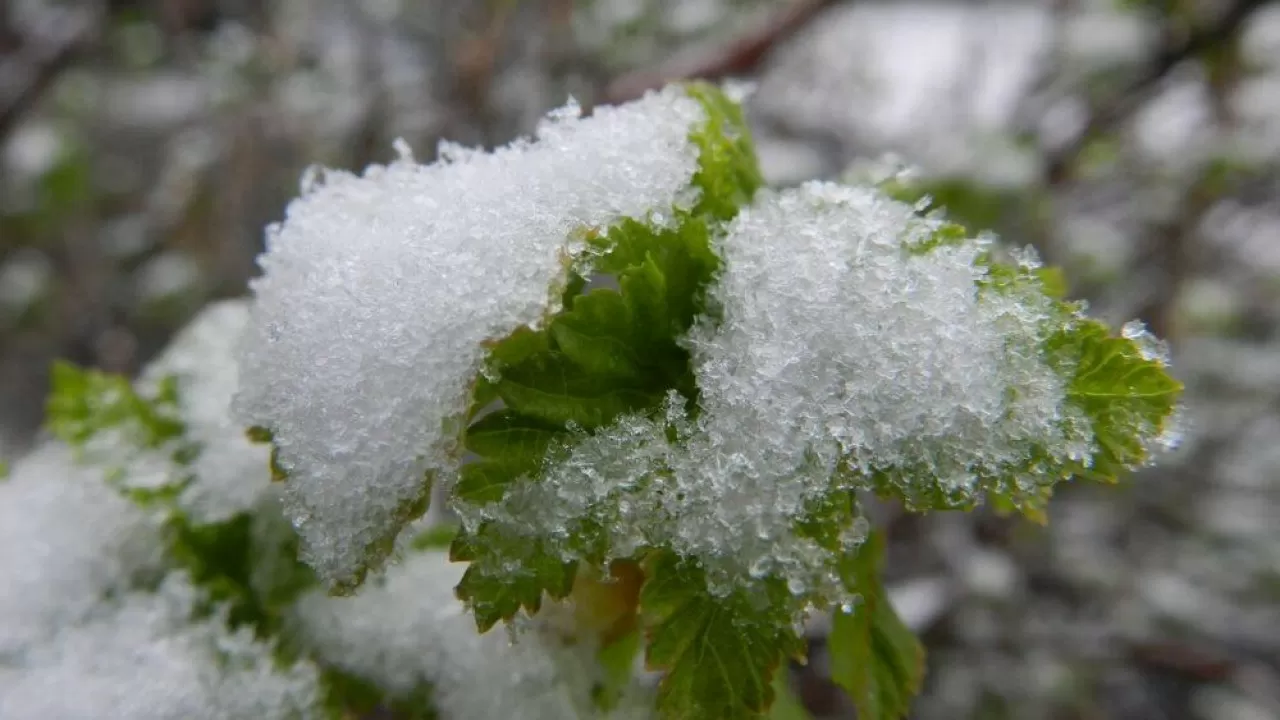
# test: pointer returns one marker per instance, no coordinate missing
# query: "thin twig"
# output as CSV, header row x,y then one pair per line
x,y
1113,113
738,57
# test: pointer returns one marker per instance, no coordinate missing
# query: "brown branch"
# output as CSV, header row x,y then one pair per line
x,y
740,56
42,56
1197,663
1172,54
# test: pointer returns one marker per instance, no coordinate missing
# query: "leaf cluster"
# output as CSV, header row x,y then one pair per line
x,y
612,351
616,351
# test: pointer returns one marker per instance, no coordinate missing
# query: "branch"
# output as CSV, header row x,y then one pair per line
x,y
44,54
1113,113
738,57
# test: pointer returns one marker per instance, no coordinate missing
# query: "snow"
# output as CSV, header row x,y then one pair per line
x,y
379,292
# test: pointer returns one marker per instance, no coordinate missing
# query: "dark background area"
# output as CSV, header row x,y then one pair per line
x,y
145,144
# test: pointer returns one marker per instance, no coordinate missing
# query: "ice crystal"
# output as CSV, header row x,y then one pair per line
x,y
80,638
142,656
850,339
66,542
409,631
840,340
229,472
380,291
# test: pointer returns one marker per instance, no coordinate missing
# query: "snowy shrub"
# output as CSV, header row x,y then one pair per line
x,y
654,394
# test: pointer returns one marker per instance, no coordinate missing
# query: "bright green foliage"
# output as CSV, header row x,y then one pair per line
x,y
1127,395
84,403
873,655
728,172
719,653
247,564
609,353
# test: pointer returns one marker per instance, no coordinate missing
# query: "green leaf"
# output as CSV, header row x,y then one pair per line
x,y
507,573
728,172
874,657
1053,281
551,388
520,441
719,653
1129,398
380,548
436,537
596,335
617,663
786,706
260,435
347,695
484,482
85,402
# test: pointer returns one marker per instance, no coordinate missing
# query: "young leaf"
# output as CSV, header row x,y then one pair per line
x,y
786,706
85,402
553,389
728,173
507,573
606,605
719,653
874,657
1125,391
617,664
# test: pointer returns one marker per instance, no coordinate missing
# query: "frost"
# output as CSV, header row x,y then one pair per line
x,y
839,341
142,657
1151,347
850,342
379,293
66,542
78,640
409,630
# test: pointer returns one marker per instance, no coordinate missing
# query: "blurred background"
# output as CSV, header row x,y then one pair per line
x,y
145,144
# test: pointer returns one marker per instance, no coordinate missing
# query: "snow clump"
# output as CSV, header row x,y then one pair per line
x,y
141,656
408,631
379,293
